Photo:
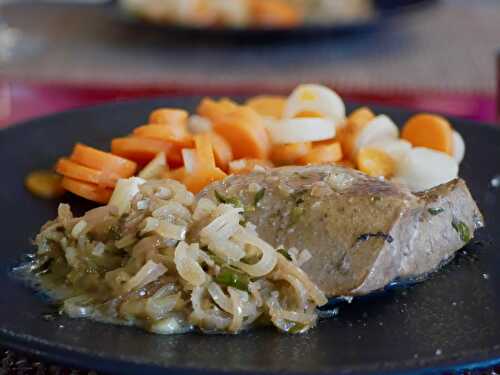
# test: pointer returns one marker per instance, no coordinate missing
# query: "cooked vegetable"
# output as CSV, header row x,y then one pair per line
x,y
458,147
92,192
80,172
349,133
155,167
378,129
317,99
243,128
462,230
141,150
44,184
375,163
430,131
243,166
175,174
322,153
267,105
222,151
301,130
215,110
104,161
176,134
231,277
275,13
288,154
435,210
170,116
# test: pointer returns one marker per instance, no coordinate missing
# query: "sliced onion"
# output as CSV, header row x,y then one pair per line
x,y
210,318
267,261
147,274
124,192
425,168
397,149
204,208
172,208
222,227
190,159
198,124
315,98
187,267
380,128
301,130
154,167
458,147
237,309
217,294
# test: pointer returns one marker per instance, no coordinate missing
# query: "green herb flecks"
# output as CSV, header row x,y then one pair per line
x,y
227,200
462,230
296,214
297,328
285,254
435,210
258,196
233,278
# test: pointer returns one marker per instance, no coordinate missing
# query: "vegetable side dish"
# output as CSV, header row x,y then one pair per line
x,y
199,230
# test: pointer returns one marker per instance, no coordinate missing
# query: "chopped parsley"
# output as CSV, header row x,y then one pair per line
x,y
285,254
462,229
227,200
230,277
258,196
435,210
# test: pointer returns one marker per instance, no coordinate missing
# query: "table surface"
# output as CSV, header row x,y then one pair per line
x,y
447,46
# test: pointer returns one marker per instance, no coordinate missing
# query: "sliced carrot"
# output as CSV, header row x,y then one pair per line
x,y
244,130
275,13
195,182
175,174
345,163
244,166
44,184
205,151
169,116
289,153
267,105
431,131
141,150
222,151
88,191
214,110
308,114
104,161
323,153
355,123
171,133
80,172
375,162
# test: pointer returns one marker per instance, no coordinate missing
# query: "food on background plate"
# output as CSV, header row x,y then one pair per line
x,y
248,13
353,207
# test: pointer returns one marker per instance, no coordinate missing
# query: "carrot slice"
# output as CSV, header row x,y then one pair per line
x,y
80,172
323,153
88,191
431,131
169,116
44,184
375,162
267,105
141,150
214,110
175,174
345,163
204,150
244,130
103,161
222,151
289,153
244,166
275,13
166,132
195,182
355,123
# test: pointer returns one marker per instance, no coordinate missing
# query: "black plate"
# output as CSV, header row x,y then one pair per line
x,y
448,321
382,10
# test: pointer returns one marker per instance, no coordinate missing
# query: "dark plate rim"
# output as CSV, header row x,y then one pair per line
x,y
474,359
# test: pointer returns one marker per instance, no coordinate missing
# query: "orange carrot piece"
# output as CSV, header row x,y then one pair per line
x,y
289,153
80,172
244,166
175,174
44,184
275,13
431,131
103,161
214,110
205,151
348,134
195,182
222,151
244,130
171,133
267,105
345,163
375,162
88,191
169,116
323,153
141,150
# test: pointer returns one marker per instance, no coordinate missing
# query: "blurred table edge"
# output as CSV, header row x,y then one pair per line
x,y
23,100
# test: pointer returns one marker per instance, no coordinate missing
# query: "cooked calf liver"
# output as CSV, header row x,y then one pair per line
x,y
362,232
